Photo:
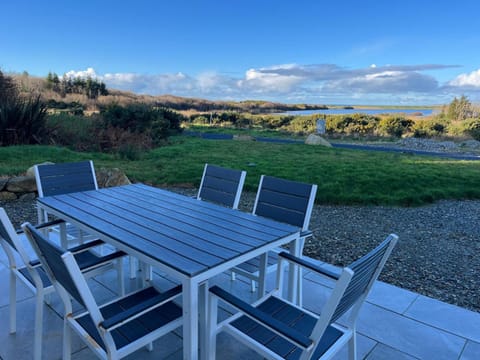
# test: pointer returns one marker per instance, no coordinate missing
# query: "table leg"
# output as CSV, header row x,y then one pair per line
x,y
203,319
293,295
190,320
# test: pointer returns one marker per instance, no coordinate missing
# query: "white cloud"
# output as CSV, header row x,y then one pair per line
x,y
90,72
316,83
272,79
467,80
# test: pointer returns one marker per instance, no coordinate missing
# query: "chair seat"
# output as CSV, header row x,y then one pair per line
x,y
137,328
294,318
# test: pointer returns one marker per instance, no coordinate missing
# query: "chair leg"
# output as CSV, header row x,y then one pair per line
x,y
13,303
232,275
67,341
133,267
352,346
37,342
121,283
211,336
253,286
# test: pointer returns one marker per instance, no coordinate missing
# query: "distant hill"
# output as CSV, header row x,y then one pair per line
x,y
29,84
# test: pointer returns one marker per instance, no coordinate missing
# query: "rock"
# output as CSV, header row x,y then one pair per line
x,y
111,177
28,196
22,184
314,139
3,182
472,144
243,138
31,171
6,195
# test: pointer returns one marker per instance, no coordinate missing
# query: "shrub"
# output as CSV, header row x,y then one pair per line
x,y
394,126
156,123
74,131
429,128
22,119
358,124
472,127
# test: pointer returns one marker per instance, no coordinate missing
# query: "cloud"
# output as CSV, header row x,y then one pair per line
x,y
386,81
467,80
311,83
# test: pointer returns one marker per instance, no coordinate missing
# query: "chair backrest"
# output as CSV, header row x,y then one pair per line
x,y
64,178
285,201
353,287
10,240
51,256
221,185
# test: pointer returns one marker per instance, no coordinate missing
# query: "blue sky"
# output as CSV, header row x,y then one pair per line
x,y
322,52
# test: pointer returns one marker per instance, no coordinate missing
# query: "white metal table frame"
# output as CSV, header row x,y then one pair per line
x,y
189,239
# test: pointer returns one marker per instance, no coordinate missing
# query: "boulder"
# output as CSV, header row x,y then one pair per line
x,y
5,195
111,177
314,139
22,184
31,171
243,138
3,182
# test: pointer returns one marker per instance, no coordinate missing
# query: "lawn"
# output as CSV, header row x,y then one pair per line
x,y
343,176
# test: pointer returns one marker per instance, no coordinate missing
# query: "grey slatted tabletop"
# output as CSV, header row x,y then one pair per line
x,y
183,233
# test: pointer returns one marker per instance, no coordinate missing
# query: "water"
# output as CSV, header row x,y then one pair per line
x,y
425,112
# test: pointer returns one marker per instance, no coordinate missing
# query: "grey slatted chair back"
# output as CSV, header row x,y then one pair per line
x,y
365,272
64,178
50,254
221,185
285,201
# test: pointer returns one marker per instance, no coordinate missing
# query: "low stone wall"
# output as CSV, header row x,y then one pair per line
x,y
25,187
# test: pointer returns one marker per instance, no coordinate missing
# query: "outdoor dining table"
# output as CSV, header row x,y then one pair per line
x,y
189,239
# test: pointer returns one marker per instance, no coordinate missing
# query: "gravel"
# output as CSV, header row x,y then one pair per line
x,y
437,254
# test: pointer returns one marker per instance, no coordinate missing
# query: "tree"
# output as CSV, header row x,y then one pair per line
x,y
460,109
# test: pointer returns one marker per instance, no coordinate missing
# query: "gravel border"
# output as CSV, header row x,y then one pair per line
x,y
437,254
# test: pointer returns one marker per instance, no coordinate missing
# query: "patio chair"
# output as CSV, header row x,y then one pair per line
x,y
115,329
28,270
66,178
285,201
278,329
221,185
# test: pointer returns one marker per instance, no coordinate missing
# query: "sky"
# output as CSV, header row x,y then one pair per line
x,y
410,52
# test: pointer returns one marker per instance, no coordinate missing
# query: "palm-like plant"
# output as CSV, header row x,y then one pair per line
x,y
22,119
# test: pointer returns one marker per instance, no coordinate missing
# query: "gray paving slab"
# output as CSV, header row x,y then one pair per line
x,y
163,348
447,317
19,346
407,335
471,351
383,352
391,297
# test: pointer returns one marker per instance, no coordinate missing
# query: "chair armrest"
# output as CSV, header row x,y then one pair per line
x,y
140,308
262,317
306,233
44,225
309,265
100,261
87,246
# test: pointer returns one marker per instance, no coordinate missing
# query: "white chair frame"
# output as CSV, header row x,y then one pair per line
x,y
36,284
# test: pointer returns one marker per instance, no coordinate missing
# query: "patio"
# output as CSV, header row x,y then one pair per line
x,y
394,324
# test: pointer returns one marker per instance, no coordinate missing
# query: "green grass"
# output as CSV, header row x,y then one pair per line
x,y
343,176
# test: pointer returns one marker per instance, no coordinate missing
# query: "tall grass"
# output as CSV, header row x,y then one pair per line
x,y
343,176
